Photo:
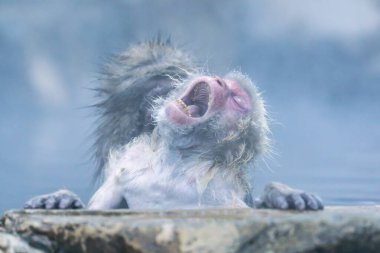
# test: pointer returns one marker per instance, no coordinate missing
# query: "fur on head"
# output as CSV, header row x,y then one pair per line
x,y
139,84
129,84
214,136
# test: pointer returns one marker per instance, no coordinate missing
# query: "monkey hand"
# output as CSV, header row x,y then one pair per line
x,y
280,196
62,199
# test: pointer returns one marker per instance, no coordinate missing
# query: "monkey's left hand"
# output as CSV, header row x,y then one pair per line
x,y
62,199
280,196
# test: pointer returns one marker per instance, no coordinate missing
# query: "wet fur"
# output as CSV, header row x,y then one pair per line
x,y
129,84
206,162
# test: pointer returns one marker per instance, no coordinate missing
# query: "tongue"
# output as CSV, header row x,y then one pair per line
x,y
194,110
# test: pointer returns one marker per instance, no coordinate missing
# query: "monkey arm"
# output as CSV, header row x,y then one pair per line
x,y
281,196
108,196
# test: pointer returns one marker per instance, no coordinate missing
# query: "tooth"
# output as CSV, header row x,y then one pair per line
x,y
184,106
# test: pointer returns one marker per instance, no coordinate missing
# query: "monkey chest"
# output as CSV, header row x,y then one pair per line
x,y
147,188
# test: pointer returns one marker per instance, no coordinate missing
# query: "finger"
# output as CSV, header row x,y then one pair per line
x,y
78,204
311,201
280,202
36,203
296,201
51,202
28,205
65,202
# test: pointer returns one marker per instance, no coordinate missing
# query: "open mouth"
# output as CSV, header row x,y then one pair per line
x,y
195,103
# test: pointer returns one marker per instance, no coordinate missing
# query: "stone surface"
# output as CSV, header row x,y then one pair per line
x,y
335,229
13,244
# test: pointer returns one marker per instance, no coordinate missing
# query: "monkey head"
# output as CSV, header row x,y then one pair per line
x,y
223,119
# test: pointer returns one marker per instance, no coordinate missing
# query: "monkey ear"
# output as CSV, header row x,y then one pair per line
x,y
129,85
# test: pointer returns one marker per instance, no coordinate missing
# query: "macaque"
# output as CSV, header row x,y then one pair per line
x,y
173,137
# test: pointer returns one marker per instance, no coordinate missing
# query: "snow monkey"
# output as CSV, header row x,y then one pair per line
x,y
170,136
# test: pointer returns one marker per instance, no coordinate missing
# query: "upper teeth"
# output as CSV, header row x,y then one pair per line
x,y
184,106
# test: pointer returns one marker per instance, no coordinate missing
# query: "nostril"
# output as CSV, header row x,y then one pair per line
x,y
220,82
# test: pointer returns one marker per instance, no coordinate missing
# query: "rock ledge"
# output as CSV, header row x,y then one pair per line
x,y
335,229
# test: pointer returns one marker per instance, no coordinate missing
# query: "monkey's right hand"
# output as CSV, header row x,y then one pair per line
x,y
62,199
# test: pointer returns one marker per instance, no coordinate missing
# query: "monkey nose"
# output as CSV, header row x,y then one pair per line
x,y
220,82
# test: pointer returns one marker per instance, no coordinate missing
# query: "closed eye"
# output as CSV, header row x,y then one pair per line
x,y
240,102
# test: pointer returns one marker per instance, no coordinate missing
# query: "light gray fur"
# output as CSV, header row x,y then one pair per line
x,y
129,84
200,165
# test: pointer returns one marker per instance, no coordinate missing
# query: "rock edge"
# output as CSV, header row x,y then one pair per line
x,y
335,229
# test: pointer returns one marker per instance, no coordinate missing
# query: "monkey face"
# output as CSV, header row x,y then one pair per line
x,y
207,96
222,118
